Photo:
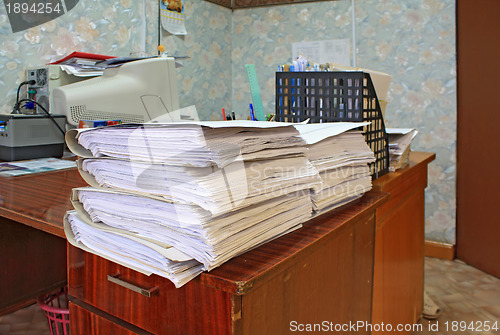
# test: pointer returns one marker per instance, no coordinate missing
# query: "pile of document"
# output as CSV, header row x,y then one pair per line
x,y
130,249
342,163
204,193
180,198
400,146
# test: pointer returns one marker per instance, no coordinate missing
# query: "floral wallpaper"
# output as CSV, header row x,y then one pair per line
x,y
114,28
205,80
105,27
413,40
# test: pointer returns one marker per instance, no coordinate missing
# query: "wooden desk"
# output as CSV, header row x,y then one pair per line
x,y
399,244
32,248
321,272
32,253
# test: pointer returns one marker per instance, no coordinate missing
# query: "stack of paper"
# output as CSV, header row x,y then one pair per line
x,y
210,193
342,163
400,146
129,249
218,190
177,199
209,239
188,144
83,64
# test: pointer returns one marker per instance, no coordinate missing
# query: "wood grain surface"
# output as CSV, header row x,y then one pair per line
x,y
39,200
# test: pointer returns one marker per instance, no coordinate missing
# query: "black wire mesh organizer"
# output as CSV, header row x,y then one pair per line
x,y
335,97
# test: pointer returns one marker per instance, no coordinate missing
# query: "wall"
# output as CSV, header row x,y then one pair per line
x,y
413,40
114,28
205,80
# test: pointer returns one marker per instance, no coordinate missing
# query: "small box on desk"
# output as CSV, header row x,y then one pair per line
x,y
97,123
31,136
335,97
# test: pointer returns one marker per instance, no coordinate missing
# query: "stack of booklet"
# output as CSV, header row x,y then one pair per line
x,y
177,199
342,163
400,146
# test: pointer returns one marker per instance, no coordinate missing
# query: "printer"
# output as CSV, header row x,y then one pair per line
x,y
35,135
30,136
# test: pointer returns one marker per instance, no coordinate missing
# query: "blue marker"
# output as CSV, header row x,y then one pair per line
x,y
252,115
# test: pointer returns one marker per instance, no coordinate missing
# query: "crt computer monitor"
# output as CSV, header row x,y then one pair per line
x,y
136,92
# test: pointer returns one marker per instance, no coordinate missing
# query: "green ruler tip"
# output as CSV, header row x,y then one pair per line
x,y
258,107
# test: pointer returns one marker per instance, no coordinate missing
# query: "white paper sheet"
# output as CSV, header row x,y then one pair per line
x,y
316,132
327,51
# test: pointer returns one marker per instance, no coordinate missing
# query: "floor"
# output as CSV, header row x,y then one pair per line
x,y
464,295
462,292
28,321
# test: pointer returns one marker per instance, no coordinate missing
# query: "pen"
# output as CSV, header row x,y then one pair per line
x,y
233,115
223,115
252,115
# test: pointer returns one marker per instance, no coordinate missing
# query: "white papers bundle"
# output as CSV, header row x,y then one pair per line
x,y
239,184
186,144
400,146
126,249
184,198
342,162
211,240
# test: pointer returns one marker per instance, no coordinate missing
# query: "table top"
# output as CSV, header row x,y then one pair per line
x,y
417,160
39,200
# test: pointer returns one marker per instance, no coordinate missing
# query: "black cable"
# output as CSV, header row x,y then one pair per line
x,y
46,112
16,106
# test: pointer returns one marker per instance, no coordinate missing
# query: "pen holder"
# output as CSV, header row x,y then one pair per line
x,y
335,97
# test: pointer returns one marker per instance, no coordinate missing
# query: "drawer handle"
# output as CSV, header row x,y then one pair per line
x,y
145,292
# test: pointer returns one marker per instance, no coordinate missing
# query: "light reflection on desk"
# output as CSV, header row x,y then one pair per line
x,y
39,200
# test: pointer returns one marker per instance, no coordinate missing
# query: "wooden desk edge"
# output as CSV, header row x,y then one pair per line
x,y
44,226
417,158
241,286
421,157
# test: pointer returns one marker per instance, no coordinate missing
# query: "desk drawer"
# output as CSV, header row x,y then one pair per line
x,y
93,323
123,293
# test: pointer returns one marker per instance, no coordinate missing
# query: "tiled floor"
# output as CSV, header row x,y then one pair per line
x,y
28,321
462,292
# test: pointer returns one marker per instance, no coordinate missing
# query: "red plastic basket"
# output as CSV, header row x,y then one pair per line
x,y
56,309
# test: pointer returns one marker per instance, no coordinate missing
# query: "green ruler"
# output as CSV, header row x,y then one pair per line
x,y
258,107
